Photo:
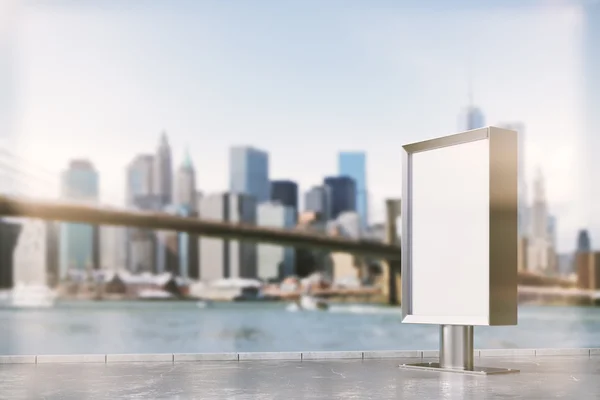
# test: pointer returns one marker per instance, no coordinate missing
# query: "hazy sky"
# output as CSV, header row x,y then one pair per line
x,y
300,79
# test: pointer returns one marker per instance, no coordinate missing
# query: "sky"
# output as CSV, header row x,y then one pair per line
x,y
303,80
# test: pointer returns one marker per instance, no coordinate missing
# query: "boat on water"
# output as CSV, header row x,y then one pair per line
x,y
31,296
311,303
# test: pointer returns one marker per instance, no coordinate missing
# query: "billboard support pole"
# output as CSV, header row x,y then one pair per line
x,y
456,347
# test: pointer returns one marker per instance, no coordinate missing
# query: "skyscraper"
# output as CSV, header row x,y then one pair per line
x,y
522,181
471,118
186,184
285,192
539,244
79,244
163,172
342,194
140,177
354,165
584,244
140,189
224,258
249,172
317,200
273,261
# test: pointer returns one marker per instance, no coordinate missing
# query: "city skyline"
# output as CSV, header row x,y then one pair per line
x,y
343,87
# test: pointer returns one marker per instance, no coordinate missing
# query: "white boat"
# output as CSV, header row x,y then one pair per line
x,y
31,296
311,303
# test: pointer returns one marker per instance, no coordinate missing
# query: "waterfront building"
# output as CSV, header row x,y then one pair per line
x,y
275,262
224,258
354,165
249,172
162,183
142,251
9,234
79,242
113,247
35,256
342,194
317,200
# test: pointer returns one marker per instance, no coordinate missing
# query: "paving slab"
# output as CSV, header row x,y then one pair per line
x,y
563,376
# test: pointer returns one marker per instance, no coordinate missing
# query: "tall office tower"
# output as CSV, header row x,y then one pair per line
x,y
167,252
224,258
317,200
354,165
523,207
552,250
539,244
471,118
163,172
79,243
342,191
140,176
9,234
249,172
591,139
186,184
584,244
113,247
285,192
167,247
275,262
141,195
188,245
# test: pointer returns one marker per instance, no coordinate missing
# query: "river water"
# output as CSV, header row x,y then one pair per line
x,y
184,327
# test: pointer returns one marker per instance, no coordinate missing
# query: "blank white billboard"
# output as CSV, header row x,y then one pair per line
x,y
459,239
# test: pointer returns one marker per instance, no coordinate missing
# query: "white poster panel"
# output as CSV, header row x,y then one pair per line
x,y
459,238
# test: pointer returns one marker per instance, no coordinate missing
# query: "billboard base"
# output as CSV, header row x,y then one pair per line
x,y
433,366
456,354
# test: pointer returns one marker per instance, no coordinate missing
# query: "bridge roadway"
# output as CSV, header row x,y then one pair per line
x,y
544,374
14,207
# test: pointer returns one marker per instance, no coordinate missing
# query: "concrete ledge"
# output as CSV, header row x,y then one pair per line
x,y
329,355
71,358
270,356
189,357
292,356
562,352
594,352
430,354
112,358
374,355
506,353
17,359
